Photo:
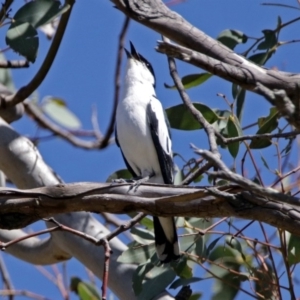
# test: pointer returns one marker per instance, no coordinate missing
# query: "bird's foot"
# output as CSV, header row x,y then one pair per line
x,y
138,181
122,180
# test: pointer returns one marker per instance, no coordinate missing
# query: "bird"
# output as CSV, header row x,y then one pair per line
x,y
143,134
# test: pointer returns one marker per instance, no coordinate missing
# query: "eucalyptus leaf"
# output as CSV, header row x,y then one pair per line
x,y
38,13
233,130
184,281
22,38
57,110
192,80
293,249
182,269
139,276
137,254
142,236
224,291
181,118
160,278
231,38
120,174
87,291
270,40
260,58
266,125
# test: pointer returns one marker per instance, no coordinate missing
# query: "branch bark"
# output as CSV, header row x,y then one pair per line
x,y
31,205
22,163
210,54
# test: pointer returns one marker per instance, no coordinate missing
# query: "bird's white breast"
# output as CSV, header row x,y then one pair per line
x,y
133,131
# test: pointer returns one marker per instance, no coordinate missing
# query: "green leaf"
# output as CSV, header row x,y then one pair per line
x,y
57,110
233,130
139,276
192,80
211,246
266,125
22,35
223,116
178,178
22,38
287,149
260,58
5,76
199,223
265,162
182,281
222,253
120,174
200,246
264,275
39,12
293,249
196,296
270,40
224,291
240,100
142,236
181,118
137,254
160,278
231,38
235,244
147,222
182,269
87,291
279,22
188,243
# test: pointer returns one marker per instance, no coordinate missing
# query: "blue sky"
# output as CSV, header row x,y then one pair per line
x,y
83,75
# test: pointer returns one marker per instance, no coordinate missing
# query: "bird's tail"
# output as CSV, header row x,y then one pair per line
x,y
166,241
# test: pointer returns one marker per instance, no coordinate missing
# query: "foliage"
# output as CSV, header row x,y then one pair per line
x,y
228,252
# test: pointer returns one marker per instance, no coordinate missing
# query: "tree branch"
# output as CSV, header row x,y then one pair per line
x,y
162,201
28,89
207,53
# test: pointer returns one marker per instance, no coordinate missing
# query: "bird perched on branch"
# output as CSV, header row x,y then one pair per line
x,y
143,134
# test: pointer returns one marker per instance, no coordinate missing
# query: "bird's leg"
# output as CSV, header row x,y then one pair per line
x,y
122,180
139,180
135,182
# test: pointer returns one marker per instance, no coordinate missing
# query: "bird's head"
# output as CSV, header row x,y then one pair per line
x,y
138,66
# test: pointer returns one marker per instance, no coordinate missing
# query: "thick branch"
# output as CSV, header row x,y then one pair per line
x,y
206,52
162,200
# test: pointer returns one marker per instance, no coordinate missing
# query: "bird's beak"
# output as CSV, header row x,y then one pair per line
x,y
128,54
134,53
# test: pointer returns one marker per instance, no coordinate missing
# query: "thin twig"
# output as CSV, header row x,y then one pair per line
x,y
44,122
272,261
22,293
261,136
111,126
197,173
39,77
209,129
5,277
285,256
5,7
112,219
107,253
225,173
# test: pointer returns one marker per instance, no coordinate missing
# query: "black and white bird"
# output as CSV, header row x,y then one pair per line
x,y
143,134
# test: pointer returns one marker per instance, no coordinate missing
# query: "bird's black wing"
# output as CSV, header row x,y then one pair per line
x,y
126,162
160,133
